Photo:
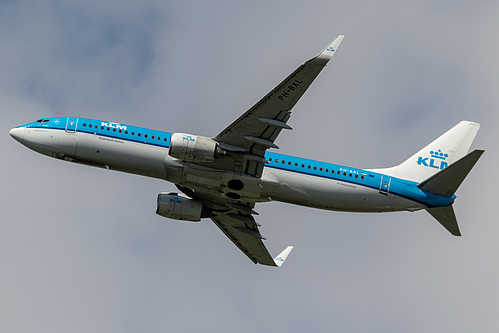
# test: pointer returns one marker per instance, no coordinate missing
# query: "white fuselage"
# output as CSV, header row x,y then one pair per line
x,y
154,161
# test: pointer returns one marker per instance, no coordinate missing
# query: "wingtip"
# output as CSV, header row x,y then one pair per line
x,y
281,257
328,52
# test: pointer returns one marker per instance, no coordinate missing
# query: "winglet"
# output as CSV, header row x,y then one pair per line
x,y
279,260
326,54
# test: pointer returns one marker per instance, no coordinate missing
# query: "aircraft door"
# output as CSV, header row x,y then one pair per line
x,y
71,124
384,187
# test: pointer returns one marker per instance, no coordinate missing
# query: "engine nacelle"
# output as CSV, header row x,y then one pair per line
x,y
179,207
193,148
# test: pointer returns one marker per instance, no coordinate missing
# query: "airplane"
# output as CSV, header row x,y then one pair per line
x,y
223,177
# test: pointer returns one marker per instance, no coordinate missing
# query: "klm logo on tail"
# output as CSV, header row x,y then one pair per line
x,y
437,160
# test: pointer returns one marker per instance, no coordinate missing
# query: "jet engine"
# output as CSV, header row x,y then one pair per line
x,y
193,148
179,207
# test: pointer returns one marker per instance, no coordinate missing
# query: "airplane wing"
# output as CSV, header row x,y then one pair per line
x,y
255,131
246,140
243,231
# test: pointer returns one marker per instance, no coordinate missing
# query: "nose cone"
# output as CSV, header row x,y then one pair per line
x,y
17,133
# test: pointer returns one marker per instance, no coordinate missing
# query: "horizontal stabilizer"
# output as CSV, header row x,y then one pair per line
x,y
447,218
447,181
279,260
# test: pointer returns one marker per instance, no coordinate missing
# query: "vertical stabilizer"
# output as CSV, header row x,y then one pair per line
x,y
445,150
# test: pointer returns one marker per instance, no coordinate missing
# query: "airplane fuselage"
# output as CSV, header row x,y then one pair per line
x,y
285,178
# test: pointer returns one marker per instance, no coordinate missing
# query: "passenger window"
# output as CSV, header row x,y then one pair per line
x,y
270,159
303,165
309,166
289,163
145,135
350,175
126,132
108,129
327,170
139,134
133,133
84,125
277,160
315,168
362,177
159,138
119,131
296,164
96,126
320,169
283,162
102,127
356,176
152,137
114,129
164,139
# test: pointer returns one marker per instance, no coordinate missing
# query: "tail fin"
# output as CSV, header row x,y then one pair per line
x,y
444,151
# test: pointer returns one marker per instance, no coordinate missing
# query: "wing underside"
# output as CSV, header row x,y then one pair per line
x,y
243,231
245,142
248,137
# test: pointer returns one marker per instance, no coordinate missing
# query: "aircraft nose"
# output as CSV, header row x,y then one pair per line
x,y
17,133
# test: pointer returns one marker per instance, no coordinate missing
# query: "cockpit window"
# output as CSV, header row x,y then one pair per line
x,y
42,120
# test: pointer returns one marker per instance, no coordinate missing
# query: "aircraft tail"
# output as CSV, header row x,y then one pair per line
x,y
446,182
446,217
441,167
441,153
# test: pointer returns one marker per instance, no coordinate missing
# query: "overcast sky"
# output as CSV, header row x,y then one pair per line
x,y
82,249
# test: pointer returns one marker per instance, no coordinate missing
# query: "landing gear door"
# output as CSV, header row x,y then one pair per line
x,y
384,187
71,124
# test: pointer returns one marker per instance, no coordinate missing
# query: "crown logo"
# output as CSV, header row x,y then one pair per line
x,y
439,154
